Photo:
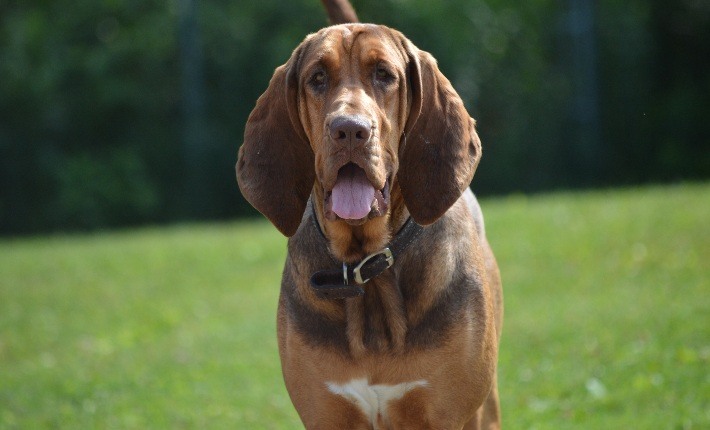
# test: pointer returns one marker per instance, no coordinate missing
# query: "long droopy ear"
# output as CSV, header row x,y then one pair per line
x,y
440,149
275,169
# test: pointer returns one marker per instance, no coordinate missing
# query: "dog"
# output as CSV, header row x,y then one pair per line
x,y
390,310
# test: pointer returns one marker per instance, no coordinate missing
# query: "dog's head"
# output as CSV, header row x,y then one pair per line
x,y
363,120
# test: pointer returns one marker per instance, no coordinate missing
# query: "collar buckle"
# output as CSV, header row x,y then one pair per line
x,y
357,274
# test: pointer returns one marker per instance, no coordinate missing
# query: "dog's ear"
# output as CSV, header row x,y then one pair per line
x,y
440,149
275,168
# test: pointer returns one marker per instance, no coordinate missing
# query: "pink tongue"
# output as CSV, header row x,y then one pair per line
x,y
353,194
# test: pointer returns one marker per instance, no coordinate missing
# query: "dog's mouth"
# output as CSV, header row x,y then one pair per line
x,y
354,199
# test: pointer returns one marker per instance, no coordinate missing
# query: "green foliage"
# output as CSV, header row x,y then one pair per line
x,y
87,113
607,310
96,191
99,86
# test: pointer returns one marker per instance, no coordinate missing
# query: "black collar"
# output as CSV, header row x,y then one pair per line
x,y
346,282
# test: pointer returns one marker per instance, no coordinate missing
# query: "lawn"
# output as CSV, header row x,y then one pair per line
x,y
607,322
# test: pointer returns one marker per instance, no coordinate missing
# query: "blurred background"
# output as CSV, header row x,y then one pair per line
x,y
117,113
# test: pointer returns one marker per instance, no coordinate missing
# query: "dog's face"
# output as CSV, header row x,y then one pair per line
x,y
356,115
353,107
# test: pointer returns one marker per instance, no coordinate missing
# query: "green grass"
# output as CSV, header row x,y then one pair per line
x,y
607,321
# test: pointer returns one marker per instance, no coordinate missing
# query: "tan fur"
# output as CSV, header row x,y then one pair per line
x,y
436,315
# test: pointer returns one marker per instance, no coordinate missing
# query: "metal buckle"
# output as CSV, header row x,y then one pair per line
x,y
356,271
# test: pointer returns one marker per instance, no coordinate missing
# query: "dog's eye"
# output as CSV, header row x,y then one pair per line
x,y
318,80
383,76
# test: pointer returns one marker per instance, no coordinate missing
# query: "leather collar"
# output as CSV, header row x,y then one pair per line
x,y
348,281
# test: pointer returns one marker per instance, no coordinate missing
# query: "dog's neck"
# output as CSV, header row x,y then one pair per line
x,y
351,243
383,300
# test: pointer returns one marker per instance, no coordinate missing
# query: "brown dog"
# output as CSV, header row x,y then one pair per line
x,y
358,134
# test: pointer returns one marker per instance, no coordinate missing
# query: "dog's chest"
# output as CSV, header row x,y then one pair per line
x,y
373,400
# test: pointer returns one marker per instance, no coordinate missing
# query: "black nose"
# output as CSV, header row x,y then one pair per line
x,y
346,129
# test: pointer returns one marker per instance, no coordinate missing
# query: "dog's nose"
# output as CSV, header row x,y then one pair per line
x,y
350,129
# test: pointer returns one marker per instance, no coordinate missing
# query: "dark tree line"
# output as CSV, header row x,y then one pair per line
x,y
122,113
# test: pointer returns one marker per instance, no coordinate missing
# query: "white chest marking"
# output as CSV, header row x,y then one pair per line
x,y
373,399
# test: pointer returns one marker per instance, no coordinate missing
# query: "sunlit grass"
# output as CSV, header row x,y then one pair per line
x,y
607,319
607,308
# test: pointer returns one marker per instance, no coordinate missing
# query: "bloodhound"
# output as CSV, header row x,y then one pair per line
x,y
390,311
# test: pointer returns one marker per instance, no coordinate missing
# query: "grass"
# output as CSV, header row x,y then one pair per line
x,y
607,319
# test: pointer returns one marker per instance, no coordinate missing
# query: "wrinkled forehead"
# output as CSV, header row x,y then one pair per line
x,y
363,43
